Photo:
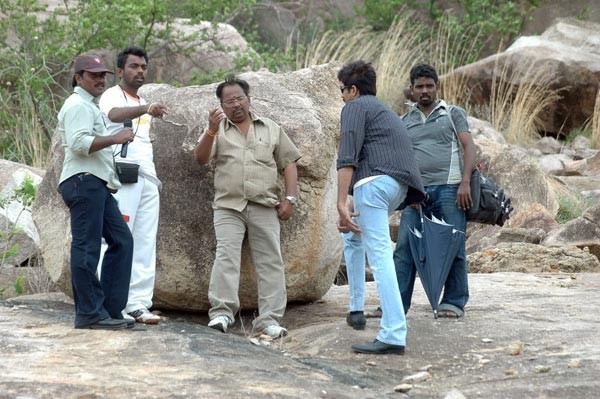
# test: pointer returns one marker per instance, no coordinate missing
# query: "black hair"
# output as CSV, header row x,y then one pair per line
x,y
231,80
74,81
133,50
423,71
360,74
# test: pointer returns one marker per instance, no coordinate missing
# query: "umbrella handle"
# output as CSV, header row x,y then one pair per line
x,y
421,215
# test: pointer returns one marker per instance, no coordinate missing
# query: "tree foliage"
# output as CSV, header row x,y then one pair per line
x,y
38,46
482,20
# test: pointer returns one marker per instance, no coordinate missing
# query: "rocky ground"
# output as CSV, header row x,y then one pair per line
x,y
524,336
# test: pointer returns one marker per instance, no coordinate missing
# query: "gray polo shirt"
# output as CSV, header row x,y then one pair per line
x,y
436,144
374,142
80,121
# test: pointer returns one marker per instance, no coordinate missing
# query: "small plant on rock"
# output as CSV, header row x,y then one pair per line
x,y
25,195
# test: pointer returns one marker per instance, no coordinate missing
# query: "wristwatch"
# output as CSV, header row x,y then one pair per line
x,y
292,199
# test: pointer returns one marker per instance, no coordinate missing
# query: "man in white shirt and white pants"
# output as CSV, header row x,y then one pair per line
x,y
138,202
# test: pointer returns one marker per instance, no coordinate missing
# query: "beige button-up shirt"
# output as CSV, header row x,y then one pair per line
x,y
246,167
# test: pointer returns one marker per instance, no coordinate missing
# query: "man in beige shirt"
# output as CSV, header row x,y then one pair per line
x,y
248,152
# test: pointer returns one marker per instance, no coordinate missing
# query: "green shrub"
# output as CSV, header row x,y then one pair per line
x,y
571,206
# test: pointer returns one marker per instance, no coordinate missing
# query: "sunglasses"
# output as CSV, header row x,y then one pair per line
x,y
342,88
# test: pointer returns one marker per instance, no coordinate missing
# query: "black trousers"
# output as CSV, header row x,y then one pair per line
x,y
94,215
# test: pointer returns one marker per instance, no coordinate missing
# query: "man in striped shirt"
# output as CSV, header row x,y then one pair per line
x,y
377,166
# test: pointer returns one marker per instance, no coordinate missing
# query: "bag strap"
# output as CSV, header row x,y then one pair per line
x,y
450,108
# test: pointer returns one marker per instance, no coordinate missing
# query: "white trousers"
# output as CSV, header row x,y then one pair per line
x,y
140,202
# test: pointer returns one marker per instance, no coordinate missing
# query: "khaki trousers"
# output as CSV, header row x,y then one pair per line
x,y
263,228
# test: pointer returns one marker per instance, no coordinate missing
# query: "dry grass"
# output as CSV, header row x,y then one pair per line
x,y
392,53
596,123
518,95
518,98
448,52
355,44
401,46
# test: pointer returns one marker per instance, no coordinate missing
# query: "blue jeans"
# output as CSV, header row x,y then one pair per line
x,y
442,204
374,201
95,215
354,254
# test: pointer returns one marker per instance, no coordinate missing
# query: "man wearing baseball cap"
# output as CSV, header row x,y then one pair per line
x,y
88,177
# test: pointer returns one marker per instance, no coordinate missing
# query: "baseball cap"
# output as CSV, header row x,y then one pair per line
x,y
90,63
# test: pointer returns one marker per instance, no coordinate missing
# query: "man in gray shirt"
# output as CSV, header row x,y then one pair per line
x,y
438,132
377,166
88,177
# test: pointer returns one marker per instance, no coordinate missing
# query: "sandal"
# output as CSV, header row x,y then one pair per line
x,y
447,314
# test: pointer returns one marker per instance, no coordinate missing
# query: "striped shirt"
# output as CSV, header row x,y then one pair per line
x,y
374,141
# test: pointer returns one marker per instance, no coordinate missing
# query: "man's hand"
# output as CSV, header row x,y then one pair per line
x,y
463,196
345,221
158,110
215,116
285,210
123,136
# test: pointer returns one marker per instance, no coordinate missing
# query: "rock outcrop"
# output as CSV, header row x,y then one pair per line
x,y
524,336
583,232
570,52
531,258
307,105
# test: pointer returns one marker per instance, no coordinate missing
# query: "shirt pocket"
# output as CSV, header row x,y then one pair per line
x,y
264,153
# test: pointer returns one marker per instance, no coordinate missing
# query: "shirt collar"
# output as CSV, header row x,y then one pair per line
x,y
439,104
83,93
253,117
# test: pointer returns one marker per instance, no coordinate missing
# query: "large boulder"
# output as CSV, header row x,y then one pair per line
x,y
16,224
570,52
195,50
307,105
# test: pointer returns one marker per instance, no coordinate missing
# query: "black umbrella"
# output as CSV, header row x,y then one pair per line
x,y
433,250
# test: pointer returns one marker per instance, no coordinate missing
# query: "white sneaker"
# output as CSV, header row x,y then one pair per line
x,y
220,323
126,316
143,315
275,331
